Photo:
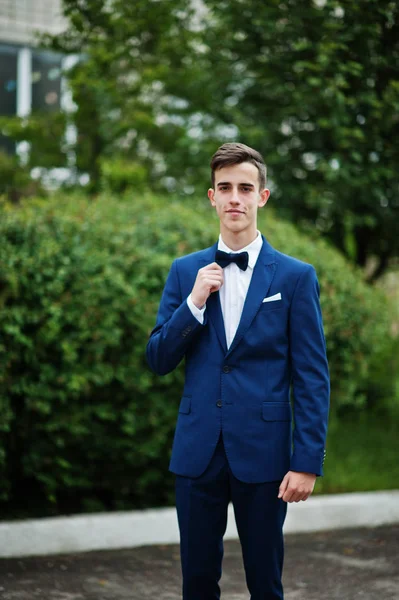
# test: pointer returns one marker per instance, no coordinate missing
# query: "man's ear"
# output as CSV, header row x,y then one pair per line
x,y
211,196
264,196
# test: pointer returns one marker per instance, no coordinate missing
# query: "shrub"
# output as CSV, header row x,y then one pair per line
x,y
15,180
119,175
85,425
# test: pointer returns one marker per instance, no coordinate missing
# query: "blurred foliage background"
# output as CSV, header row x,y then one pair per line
x,y
157,87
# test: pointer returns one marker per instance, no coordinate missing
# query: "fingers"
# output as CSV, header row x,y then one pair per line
x,y
214,266
211,271
299,496
215,288
209,279
283,486
289,494
293,495
296,487
214,283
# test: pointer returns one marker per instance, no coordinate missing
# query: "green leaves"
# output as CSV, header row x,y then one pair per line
x,y
82,416
330,72
159,86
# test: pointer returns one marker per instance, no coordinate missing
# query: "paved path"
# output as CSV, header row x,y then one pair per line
x,y
336,565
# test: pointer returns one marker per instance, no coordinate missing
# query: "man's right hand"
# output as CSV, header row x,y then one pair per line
x,y
209,279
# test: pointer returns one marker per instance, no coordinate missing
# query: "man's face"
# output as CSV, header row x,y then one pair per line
x,y
237,197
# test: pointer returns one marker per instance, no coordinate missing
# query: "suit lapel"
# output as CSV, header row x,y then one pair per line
x,y
213,307
261,280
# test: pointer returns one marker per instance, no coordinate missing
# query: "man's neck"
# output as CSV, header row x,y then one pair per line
x,y
239,240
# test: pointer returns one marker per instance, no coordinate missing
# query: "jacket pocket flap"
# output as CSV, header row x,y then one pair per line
x,y
276,411
185,405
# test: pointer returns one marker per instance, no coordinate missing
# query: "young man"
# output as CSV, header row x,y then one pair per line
x,y
247,320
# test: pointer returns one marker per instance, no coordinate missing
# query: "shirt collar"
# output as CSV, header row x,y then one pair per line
x,y
253,249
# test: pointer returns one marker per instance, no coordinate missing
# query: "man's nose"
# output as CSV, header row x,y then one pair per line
x,y
234,199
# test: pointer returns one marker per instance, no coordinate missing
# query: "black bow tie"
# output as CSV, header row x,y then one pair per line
x,y
225,258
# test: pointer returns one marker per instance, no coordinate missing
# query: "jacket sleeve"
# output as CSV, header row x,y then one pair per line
x,y
175,327
310,377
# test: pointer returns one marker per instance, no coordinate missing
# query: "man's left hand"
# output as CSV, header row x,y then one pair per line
x,y
296,486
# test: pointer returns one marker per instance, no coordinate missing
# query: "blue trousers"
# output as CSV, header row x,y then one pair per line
x,y
202,504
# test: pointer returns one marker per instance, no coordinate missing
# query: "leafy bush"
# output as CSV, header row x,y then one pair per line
x,y
119,175
15,180
84,424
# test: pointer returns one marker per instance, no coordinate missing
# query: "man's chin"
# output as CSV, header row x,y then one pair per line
x,y
236,227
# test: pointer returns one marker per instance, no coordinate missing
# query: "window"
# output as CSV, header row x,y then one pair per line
x,y
41,71
46,81
8,89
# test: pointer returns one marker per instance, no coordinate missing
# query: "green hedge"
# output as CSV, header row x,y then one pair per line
x,y
84,424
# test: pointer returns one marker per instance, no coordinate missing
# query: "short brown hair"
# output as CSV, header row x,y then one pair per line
x,y
234,153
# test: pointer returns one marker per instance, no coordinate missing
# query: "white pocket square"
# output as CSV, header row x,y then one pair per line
x,y
272,298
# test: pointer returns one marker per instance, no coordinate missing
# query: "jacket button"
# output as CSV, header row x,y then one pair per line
x,y
226,369
219,404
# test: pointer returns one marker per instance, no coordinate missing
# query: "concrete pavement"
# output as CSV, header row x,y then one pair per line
x,y
348,564
130,529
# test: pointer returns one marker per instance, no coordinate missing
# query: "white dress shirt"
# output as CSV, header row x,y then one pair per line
x,y
234,289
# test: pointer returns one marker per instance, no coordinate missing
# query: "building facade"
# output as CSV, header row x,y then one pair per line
x,y
30,78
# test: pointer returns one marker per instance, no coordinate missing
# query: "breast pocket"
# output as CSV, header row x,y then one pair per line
x,y
273,305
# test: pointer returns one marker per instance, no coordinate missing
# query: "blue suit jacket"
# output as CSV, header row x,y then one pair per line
x,y
245,390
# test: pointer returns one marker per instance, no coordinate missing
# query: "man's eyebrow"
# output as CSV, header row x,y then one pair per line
x,y
229,183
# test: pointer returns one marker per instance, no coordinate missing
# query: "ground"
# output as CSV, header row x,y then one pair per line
x,y
335,565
